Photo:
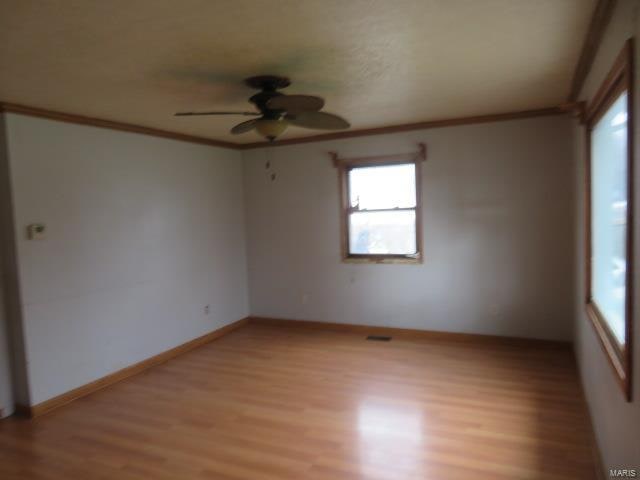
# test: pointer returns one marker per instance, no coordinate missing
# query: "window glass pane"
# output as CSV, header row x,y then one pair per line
x,y
383,232
609,215
389,186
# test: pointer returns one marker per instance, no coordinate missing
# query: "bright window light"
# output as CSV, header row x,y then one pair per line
x,y
609,216
382,213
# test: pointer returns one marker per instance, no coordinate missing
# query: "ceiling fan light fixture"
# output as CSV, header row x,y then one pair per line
x,y
271,128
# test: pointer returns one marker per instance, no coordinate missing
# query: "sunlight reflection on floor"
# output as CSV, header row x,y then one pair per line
x,y
390,435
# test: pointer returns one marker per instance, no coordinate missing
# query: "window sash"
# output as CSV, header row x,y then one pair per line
x,y
348,210
404,246
368,186
604,287
617,82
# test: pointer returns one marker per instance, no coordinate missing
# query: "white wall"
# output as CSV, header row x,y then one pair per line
x,y
616,422
498,233
142,233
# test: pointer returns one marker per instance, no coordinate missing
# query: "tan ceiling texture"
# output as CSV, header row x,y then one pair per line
x,y
376,62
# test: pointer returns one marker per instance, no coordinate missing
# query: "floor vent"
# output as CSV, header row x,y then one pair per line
x,y
379,338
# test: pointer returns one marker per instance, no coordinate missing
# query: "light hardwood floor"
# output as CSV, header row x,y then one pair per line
x,y
276,403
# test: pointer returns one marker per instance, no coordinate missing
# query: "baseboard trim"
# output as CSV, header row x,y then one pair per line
x,y
595,449
409,333
47,406
593,440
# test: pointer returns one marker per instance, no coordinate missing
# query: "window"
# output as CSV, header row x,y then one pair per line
x,y
381,208
609,229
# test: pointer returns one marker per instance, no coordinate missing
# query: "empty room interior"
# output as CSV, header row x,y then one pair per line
x,y
319,239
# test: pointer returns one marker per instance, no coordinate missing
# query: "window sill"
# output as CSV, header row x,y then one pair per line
x,y
383,260
614,354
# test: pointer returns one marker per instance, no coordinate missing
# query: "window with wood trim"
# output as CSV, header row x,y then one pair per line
x,y
381,208
610,183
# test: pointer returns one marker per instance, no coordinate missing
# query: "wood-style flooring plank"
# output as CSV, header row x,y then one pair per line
x,y
280,403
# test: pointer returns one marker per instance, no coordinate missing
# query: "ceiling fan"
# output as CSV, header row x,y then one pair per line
x,y
277,111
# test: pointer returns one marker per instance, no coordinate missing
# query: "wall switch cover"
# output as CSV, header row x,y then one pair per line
x,y
36,231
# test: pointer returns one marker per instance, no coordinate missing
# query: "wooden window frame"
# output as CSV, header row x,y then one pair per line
x,y
344,166
618,81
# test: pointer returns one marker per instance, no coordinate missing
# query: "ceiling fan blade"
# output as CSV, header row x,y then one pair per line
x,y
244,127
318,121
295,104
184,114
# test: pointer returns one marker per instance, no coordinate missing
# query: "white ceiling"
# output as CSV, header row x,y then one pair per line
x,y
376,62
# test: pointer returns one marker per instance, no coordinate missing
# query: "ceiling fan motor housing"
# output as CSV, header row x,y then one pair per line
x,y
260,101
269,84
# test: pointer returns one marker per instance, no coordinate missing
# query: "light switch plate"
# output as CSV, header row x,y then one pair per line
x,y
36,231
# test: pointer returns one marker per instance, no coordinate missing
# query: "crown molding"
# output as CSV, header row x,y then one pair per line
x,y
599,21
110,124
450,122
129,127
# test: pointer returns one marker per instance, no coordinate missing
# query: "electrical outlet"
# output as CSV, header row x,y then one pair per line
x,y
305,298
207,308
